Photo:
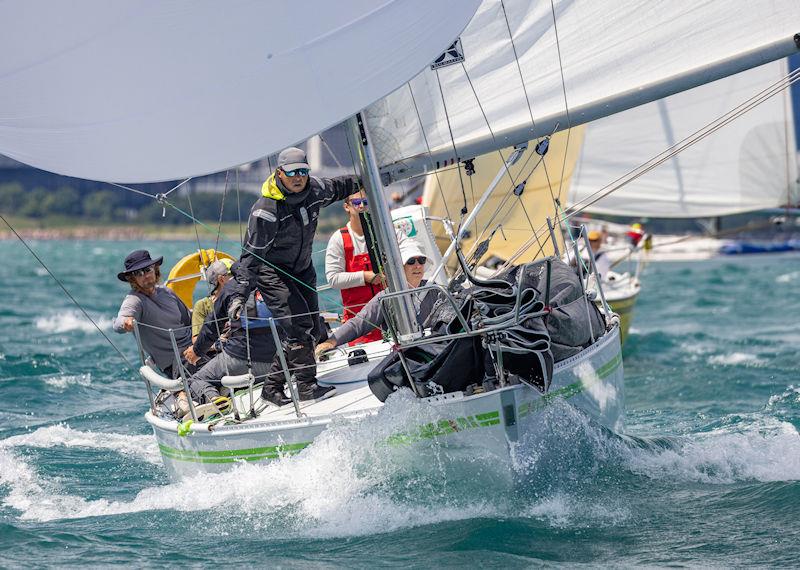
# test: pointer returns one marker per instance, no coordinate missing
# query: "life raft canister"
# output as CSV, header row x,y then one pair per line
x,y
184,275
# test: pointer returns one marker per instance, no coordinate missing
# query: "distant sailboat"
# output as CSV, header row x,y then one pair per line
x,y
749,164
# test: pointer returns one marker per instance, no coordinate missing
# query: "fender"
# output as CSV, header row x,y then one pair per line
x,y
185,274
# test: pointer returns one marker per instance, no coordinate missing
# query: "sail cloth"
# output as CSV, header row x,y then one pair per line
x,y
615,55
749,164
165,89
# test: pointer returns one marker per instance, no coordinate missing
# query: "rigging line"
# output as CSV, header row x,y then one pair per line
x,y
350,150
494,139
514,184
289,275
455,150
678,147
194,223
430,154
238,209
134,190
519,67
681,145
505,201
168,192
564,90
715,124
330,150
221,210
486,120
672,151
67,293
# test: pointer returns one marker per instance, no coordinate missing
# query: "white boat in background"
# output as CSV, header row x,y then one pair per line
x,y
748,164
512,76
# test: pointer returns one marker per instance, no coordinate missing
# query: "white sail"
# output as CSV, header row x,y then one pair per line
x,y
749,164
613,56
165,89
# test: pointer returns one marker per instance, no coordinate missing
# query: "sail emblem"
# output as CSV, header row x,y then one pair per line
x,y
453,54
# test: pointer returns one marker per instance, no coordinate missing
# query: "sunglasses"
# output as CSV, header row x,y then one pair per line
x,y
421,260
145,271
297,172
358,202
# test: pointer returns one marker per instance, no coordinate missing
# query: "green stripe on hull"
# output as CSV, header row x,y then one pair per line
x,y
427,431
230,456
569,390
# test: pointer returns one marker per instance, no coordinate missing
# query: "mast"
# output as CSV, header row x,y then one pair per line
x,y
401,307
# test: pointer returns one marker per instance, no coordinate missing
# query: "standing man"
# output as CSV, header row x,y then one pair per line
x,y
276,259
349,268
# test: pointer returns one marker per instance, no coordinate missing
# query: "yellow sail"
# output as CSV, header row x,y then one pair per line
x,y
518,217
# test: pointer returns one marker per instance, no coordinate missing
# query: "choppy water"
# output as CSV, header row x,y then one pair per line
x,y
709,475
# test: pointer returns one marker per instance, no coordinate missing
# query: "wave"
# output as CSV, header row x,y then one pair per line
x,y
62,381
138,446
737,359
763,449
349,482
67,321
788,277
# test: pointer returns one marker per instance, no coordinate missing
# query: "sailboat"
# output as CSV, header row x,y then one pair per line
x,y
748,165
469,100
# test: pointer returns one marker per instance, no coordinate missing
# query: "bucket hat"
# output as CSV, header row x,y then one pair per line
x,y
138,259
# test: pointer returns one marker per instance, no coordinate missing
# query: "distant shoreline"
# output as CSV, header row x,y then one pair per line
x,y
90,233
39,230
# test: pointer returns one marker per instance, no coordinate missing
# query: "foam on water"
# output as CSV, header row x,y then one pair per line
x,y
138,446
788,277
736,359
63,381
566,511
761,449
348,482
71,320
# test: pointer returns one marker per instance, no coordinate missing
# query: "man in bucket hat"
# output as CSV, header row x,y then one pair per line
x,y
276,259
157,308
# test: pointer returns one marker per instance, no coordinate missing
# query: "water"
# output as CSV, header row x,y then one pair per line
x,y
709,473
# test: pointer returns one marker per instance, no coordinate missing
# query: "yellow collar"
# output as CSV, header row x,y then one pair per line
x,y
270,189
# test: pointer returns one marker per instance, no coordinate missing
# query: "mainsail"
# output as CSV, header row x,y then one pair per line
x,y
160,90
532,67
749,164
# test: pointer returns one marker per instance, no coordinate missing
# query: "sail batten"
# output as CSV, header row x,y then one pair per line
x,y
613,56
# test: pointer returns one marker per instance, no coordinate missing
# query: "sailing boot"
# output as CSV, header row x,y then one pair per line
x,y
309,391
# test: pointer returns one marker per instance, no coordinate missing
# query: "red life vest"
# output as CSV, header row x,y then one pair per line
x,y
355,298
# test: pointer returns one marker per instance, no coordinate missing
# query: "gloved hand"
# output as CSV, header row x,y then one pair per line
x,y
235,309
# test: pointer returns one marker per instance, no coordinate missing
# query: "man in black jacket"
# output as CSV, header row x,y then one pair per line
x,y
276,259
249,347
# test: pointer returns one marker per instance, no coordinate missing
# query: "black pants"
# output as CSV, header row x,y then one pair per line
x,y
295,307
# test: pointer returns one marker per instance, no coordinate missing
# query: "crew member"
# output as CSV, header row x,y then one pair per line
x,y
348,266
276,259
156,307
371,316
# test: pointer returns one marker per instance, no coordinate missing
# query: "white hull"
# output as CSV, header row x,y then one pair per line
x,y
591,381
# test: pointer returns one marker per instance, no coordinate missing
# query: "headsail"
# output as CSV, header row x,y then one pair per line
x,y
166,89
749,164
566,63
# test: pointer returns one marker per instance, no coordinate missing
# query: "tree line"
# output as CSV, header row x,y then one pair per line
x,y
108,206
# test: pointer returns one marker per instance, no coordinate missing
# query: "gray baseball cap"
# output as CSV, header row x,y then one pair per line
x,y
291,158
216,270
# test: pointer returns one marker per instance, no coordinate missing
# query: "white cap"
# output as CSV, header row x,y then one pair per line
x,y
410,248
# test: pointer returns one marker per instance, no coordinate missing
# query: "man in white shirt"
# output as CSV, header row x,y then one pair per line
x,y
349,268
